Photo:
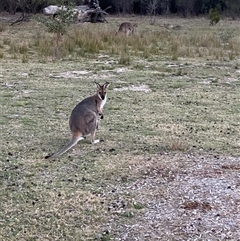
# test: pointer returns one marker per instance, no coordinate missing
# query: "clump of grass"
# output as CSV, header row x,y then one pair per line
x,y
208,40
21,47
200,45
106,236
175,144
2,28
225,36
94,41
233,47
145,54
175,57
174,47
231,56
15,56
124,59
138,205
25,58
89,41
44,45
6,41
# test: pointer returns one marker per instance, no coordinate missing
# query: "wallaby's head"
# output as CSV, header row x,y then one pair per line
x,y
102,90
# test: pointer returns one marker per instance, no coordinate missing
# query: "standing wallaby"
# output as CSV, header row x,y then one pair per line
x,y
84,118
126,28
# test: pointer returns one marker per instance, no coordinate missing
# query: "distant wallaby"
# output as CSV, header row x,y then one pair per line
x,y
84,118
126,28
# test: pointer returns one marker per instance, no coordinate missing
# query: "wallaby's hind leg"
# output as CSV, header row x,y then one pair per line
x,y
76,137
92,137
93,132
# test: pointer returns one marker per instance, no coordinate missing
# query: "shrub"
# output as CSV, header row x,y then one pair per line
x,y
214,16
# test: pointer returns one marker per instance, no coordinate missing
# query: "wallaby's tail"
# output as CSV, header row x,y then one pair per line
x,y
72,143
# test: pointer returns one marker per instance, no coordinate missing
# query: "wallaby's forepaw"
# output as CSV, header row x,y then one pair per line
x,y
101,115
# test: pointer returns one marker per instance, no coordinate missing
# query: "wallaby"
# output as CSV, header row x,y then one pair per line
x,y
126,28
84,118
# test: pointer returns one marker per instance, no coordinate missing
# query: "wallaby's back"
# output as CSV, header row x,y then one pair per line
x,y
126,28
84,116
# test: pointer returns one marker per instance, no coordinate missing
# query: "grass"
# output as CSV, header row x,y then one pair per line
x,y
192,109
215,42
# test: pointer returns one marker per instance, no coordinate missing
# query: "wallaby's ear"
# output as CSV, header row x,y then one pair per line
x,y
106,85
98,85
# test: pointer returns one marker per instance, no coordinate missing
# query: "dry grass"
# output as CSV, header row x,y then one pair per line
x,y
189,40
168,168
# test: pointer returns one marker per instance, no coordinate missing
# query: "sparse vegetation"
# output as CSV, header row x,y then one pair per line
x,y
169,162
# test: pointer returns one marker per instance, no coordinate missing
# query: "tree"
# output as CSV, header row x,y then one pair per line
x,y
151,7
59,25
151,10
123,6
185,7
11,6
232,8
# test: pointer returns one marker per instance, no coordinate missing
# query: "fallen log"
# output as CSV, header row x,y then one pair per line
x,y
83,13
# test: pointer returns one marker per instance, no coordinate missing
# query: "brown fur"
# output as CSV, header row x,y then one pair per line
x,y
126,28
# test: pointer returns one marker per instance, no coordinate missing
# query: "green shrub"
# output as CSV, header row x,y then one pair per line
x,y
214,16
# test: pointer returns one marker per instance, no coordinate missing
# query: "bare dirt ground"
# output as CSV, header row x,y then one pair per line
x,y
185,198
